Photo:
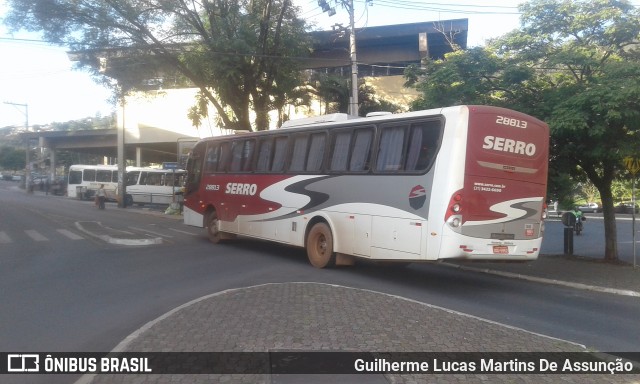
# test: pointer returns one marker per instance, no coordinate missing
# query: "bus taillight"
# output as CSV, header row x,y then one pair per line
x,y
453,215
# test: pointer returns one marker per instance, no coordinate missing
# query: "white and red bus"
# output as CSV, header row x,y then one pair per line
x,y
464,182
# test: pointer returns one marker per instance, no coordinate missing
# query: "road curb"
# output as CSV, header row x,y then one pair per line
x,y
96,229
622,292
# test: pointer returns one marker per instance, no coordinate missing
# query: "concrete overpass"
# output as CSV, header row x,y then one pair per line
x,y
103,142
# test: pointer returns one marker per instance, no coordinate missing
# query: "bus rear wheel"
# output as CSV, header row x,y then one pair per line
x,y
215,236
320,246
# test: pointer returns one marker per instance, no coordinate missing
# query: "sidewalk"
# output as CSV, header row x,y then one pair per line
x,y
304,316
573,271
320,317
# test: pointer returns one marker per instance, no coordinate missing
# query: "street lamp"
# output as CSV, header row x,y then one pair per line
x,y
27,173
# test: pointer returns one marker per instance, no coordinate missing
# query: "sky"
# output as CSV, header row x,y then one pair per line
x,y
38,78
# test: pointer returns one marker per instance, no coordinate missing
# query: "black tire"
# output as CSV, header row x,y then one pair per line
x,y
128,201
320,246
215,236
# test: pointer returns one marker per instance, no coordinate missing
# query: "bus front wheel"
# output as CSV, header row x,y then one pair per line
x,y
320,246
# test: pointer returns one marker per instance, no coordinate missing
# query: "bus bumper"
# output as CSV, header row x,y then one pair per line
x,y
193,218
455,245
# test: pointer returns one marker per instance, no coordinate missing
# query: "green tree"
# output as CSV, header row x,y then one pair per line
x,y
586,51
12,158
334,91
242,55
574,64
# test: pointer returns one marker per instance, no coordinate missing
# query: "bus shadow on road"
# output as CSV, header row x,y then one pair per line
x,y
429,276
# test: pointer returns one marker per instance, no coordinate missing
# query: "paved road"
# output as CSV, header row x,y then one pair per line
x,y
591,242
64,290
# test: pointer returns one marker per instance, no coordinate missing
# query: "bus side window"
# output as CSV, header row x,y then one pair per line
x,y
423,144
89,175
143,178
225,157
103,176
391,149
316,152
237,147
265,149
340,155
241,156
279,154
247,155
75,177
361,150
194,168
132,177
154,178
211,160
299,153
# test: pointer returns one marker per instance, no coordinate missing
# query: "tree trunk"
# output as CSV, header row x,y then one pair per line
x,y
261,110
610,231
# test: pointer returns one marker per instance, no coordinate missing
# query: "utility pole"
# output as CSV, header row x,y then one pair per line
x,y
122,158
348,5
27,173
353,105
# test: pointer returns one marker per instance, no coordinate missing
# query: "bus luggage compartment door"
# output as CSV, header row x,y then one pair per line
x,y
397,236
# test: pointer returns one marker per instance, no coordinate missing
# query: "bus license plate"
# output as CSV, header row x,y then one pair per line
x,y
500,250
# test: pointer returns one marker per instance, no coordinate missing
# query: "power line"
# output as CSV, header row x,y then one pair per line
x,y
439,7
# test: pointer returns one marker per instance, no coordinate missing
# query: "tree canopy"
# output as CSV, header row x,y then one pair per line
x,y
243,55
573,64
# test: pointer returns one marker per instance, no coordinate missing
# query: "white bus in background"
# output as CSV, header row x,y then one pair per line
x,y
84,180
153,186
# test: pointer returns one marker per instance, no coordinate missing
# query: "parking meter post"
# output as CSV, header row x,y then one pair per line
x,y
633,221
632,163
569,221
568,241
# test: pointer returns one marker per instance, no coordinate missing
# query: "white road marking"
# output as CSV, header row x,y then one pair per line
x,y
152,232
4,238
185,232
70,235
35,235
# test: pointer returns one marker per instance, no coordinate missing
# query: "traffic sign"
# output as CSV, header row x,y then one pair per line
x,y
632,164
169,165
